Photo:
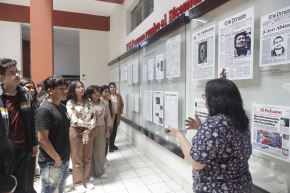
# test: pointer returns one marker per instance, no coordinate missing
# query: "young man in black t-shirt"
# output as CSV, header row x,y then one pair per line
x,y
53,132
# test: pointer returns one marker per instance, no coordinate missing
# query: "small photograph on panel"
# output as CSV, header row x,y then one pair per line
x,y
272,139
161,65
161,107
160,120
285,137
157,100
278,47
285,151
284,122
242,44
202,52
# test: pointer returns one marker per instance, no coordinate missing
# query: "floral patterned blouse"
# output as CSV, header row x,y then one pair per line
x,y
225,151
81,115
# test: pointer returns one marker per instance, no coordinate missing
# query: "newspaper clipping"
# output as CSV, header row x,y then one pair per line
x,y
203,54
275,38
200,109
171,109
147,106
173,57
158,107
236,35
270,130
136,70
159,66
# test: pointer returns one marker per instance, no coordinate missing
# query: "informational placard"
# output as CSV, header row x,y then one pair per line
x,y
275,38
236,35
159,66
145,72
135,70
151,63
200,109
124,73
171,109
270,130
147,105
203,54
136,102
173,57
130,72
158,108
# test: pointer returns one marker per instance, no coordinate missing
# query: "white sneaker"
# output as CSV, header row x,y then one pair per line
x,y
104,175
92,179
90,186
80,189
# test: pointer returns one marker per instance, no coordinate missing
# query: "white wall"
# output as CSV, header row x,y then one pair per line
x,y
94,57
11,42
118,37
66,59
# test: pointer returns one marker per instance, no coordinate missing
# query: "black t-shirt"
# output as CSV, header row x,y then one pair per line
x,y
54,118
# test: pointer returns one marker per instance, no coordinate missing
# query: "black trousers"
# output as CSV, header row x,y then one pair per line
x,y
114,133
19,168
31,173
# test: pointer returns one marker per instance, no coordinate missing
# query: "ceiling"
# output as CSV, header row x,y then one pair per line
x,y
94,7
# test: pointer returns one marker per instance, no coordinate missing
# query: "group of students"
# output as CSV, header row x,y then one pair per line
x,y
218,153
68,122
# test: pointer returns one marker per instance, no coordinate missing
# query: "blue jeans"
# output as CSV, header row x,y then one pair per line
x,y
53,178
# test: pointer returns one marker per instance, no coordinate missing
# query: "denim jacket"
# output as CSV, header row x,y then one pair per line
x,y
28,113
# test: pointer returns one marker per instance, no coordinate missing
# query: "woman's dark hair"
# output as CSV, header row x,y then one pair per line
x,y
223,97
112,83
71,95
24,81
104,87
91,89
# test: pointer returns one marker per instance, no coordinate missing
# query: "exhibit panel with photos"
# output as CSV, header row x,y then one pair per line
x,y
164,82
130,86
247,33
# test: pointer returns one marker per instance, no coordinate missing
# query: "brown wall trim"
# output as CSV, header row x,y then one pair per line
x,y
17,13
114,1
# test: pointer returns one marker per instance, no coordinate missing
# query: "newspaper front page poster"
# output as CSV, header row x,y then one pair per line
x,y
270,130
275,38
203,54
147,106
158,107
136,70
236,38
150,69
171,109
173,57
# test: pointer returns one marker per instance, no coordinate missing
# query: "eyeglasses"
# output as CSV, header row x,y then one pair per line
x,y
13,73
203,96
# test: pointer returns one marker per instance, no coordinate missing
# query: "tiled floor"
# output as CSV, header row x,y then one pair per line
x,y
129,171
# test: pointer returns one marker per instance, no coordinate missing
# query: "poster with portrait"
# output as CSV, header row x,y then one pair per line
x,y
200,109
236,39
135,70
159,66
147,105
171,109
158,108
203,54
270,130
151,64
275,38
173,57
